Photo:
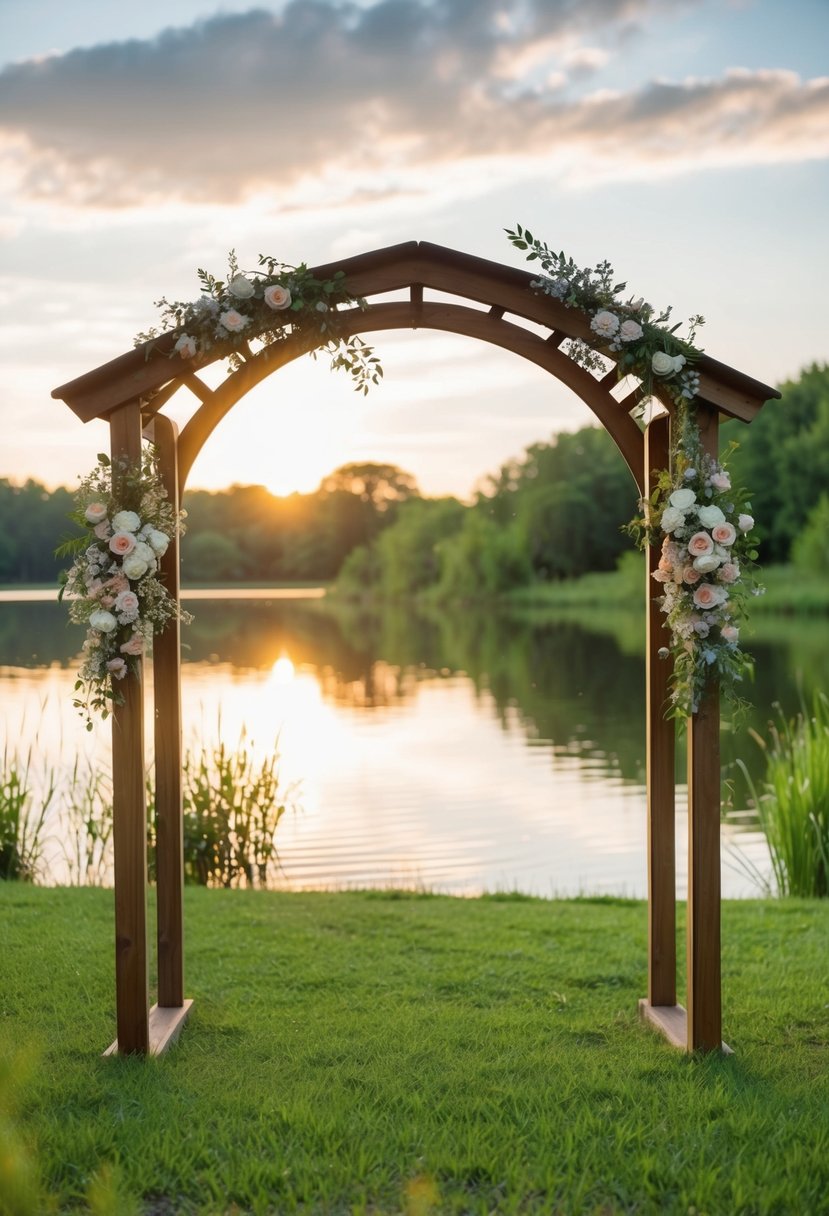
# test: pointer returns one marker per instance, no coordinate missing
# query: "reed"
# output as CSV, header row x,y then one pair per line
x,y
24,806
793,800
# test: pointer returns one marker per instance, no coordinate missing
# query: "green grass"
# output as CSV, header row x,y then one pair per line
x,y
372,1053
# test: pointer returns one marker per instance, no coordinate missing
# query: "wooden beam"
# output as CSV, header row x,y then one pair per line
x,y
165,1027
672,1022
168,759
704,893
129,829
660,753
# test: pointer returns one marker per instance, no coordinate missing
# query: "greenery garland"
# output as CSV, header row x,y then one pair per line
x,y
113,581
267,305
701,522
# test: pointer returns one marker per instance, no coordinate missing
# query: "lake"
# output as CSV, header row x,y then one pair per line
x,y
457,751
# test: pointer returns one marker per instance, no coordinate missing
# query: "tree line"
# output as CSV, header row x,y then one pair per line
x,y
555,512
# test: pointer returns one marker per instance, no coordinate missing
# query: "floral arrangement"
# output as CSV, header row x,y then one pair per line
x,y
113,581
702,523
266,306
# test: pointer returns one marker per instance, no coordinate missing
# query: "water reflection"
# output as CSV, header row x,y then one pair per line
x,y
460,750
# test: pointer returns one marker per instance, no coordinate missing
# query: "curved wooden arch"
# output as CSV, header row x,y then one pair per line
x,y
487,302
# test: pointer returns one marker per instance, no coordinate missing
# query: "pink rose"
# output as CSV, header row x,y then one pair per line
x,y
95,513
708,596
661,576
233,321
724,534
730,633
630,331
107,601
700,544
277,297
133,645
117,668
691,576
127,602
729,573
103,530
118,583
721,480
122,543
186,347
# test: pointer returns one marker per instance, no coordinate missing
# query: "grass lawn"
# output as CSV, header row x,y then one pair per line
x,y
376,1053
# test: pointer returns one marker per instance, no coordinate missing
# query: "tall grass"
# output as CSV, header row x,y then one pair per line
x,y
22,820
232,807
793,802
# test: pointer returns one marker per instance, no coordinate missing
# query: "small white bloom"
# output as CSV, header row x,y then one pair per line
x,y
707,562
240,287
186,347
664,364
745,523
126,521
683,499
103,621
672,518
233,321
605,323
159,541
134,566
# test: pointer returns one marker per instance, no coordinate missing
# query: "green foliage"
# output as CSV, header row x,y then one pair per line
x,y
353,1054
24,806
232,807
810,551
784,457
794,803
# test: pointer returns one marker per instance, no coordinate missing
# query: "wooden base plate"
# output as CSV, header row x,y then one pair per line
x,y
672,1022
165,1027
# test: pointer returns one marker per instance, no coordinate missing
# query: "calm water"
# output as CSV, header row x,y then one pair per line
x,y
458,751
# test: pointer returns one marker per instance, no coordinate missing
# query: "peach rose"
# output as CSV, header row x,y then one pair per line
x,y
103,530
724,534
721,480
707,596
122,543
133,645
117,668
277,297
729,573
700,544
730,633
691,576
95,513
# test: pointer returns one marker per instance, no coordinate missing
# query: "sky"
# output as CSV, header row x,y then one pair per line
x,y
687,141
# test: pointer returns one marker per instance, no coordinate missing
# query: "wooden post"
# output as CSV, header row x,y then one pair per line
x,y
129,828
168,805
703,931
660,752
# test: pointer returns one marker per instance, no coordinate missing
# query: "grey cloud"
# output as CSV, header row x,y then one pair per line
x,y
261,101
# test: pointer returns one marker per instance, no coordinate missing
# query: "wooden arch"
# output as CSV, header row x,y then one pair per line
x,y
435,288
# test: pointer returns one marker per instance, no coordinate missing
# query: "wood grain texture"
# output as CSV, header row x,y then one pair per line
x,y
704,879
168,753
165,1027
672,1022
129,829
660,759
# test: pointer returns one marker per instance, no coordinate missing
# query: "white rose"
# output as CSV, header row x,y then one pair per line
x,y
630,331
710,516
672,518
277,297
745,523
159,541
145,552
240,287
103,621
134,566
95,513
233,321
706,563
605,324
126,521
666,365
683,499
186,347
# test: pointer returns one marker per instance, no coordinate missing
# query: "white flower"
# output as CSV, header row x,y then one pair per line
x,y
233,321
682,499
630,331
605,323
558,288
666,365
186,347
321,306
145,552
745,523
95,513
134,566
240,287
159,541
102,620
277,297
730,633
710,516
672,518
126,521
720,480
126,603
707,562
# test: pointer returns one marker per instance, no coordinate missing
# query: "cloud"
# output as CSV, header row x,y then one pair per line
x,y
325,98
